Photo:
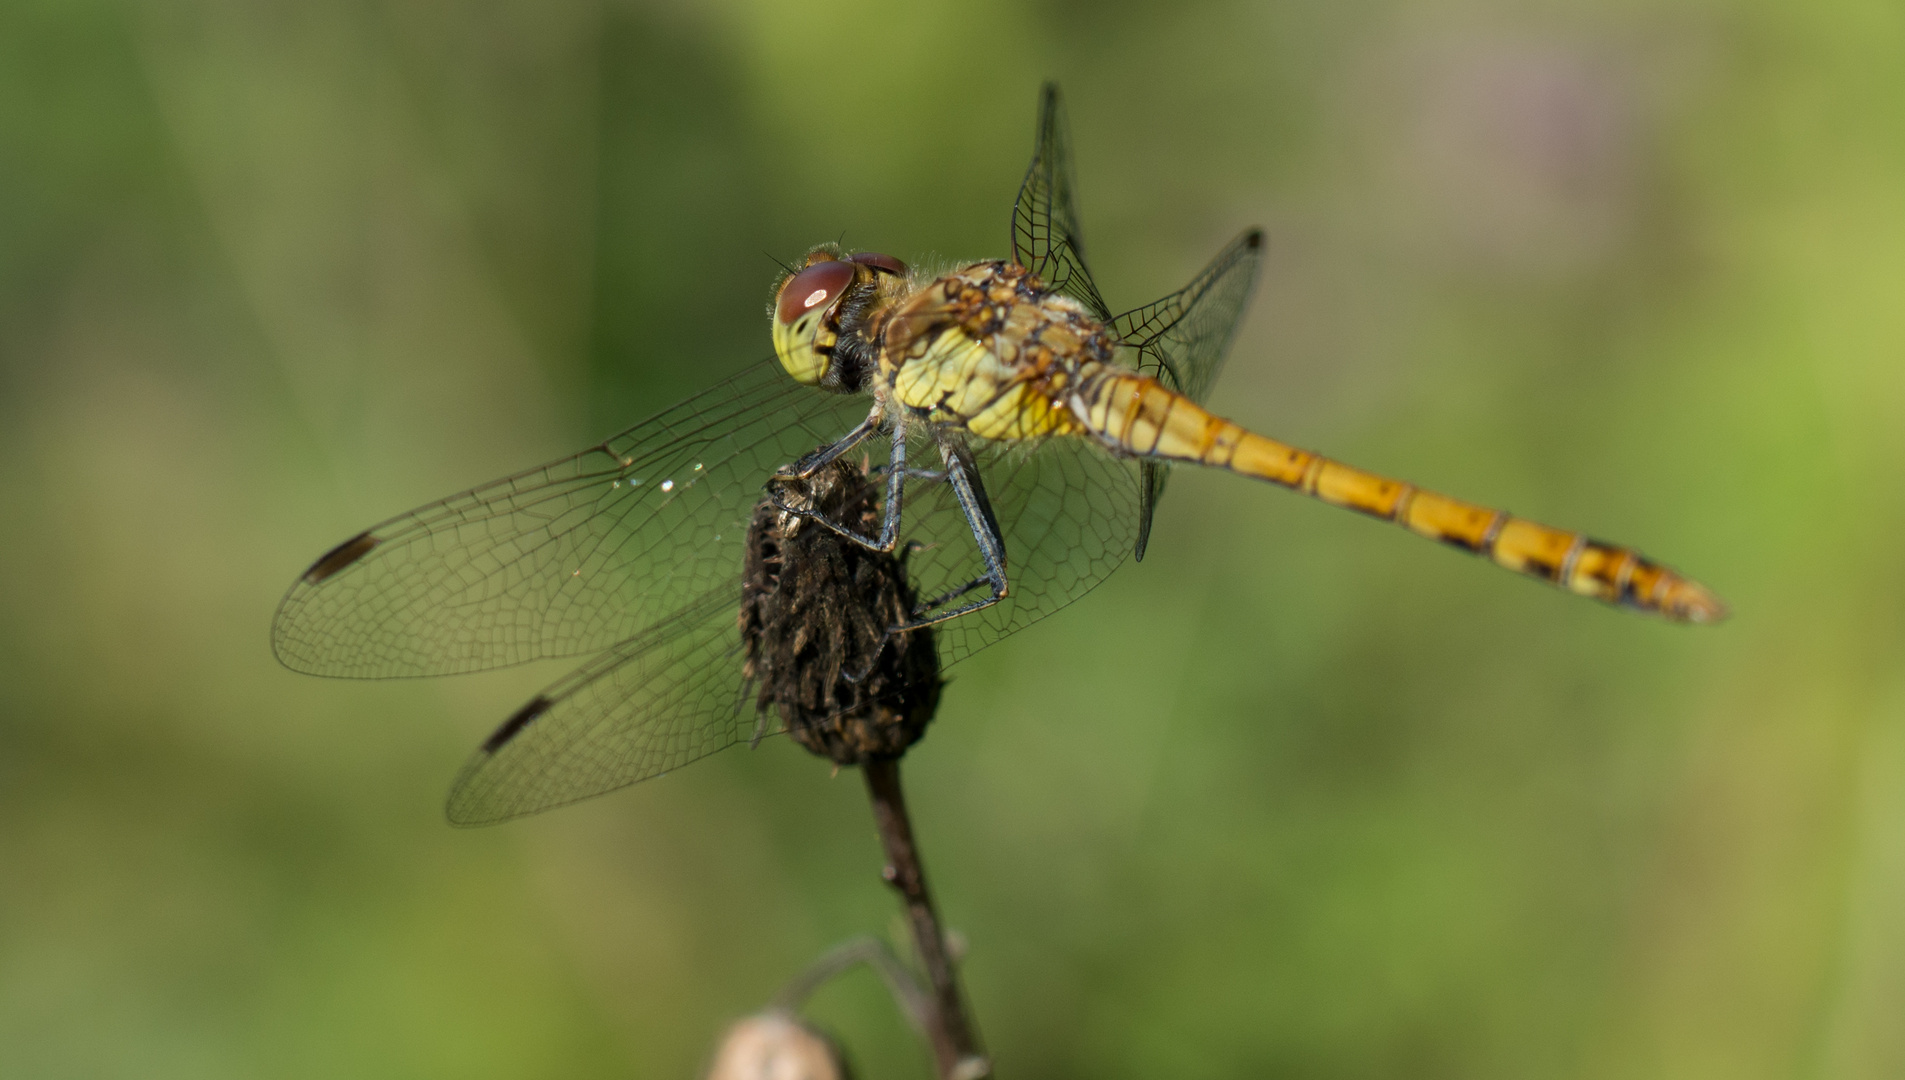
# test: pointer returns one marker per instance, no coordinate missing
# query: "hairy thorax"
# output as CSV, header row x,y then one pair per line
x,y
987,348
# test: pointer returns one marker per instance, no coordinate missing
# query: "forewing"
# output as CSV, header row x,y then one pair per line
x,y
1045,234
1182,339
582,554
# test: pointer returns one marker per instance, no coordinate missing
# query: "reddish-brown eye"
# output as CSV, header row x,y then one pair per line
x,y
880,262
815,287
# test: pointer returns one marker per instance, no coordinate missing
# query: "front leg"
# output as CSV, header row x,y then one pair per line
x,y
895,485
806,467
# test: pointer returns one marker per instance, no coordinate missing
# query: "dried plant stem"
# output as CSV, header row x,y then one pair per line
x,y
908,994
955,1044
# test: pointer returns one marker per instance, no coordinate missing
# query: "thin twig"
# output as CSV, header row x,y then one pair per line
x,y
955,1044
907,993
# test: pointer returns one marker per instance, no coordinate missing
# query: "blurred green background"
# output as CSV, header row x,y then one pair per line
x,y
1298,796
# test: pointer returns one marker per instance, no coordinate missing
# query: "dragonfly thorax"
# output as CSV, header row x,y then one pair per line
x,y
990,349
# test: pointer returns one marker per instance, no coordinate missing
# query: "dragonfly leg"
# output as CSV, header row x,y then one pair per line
x,y
855,678
931,476
896,473
985,532
948,597
806,467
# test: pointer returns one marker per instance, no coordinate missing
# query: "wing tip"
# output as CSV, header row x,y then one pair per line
x,y
517,721
468,806
334,561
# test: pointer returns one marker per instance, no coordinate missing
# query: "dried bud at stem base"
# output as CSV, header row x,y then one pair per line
x,y
776,1046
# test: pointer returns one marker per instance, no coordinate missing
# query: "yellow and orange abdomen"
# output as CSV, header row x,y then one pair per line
x,y
1138,415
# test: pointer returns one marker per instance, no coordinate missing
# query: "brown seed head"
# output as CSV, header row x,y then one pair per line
x,y
817,617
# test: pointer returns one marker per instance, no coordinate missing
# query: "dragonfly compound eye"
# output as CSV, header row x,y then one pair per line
x,y
803,339
877,261
812,290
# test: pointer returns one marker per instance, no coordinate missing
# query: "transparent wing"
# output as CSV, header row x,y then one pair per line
x,y
676,692
653,703
1045,234
1069,514
579,555
1182,340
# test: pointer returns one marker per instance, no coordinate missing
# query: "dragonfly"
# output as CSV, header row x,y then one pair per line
x,y
1022,435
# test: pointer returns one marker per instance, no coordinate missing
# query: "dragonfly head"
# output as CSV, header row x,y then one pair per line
x,y
821,303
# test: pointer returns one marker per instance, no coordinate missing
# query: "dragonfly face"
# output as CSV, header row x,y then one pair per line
x,y
823,313
1051,424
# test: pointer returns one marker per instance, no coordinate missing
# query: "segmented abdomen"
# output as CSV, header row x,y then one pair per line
x,y
1139,415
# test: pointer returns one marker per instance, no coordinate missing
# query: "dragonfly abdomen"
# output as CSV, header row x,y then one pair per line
x,y
1141,416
